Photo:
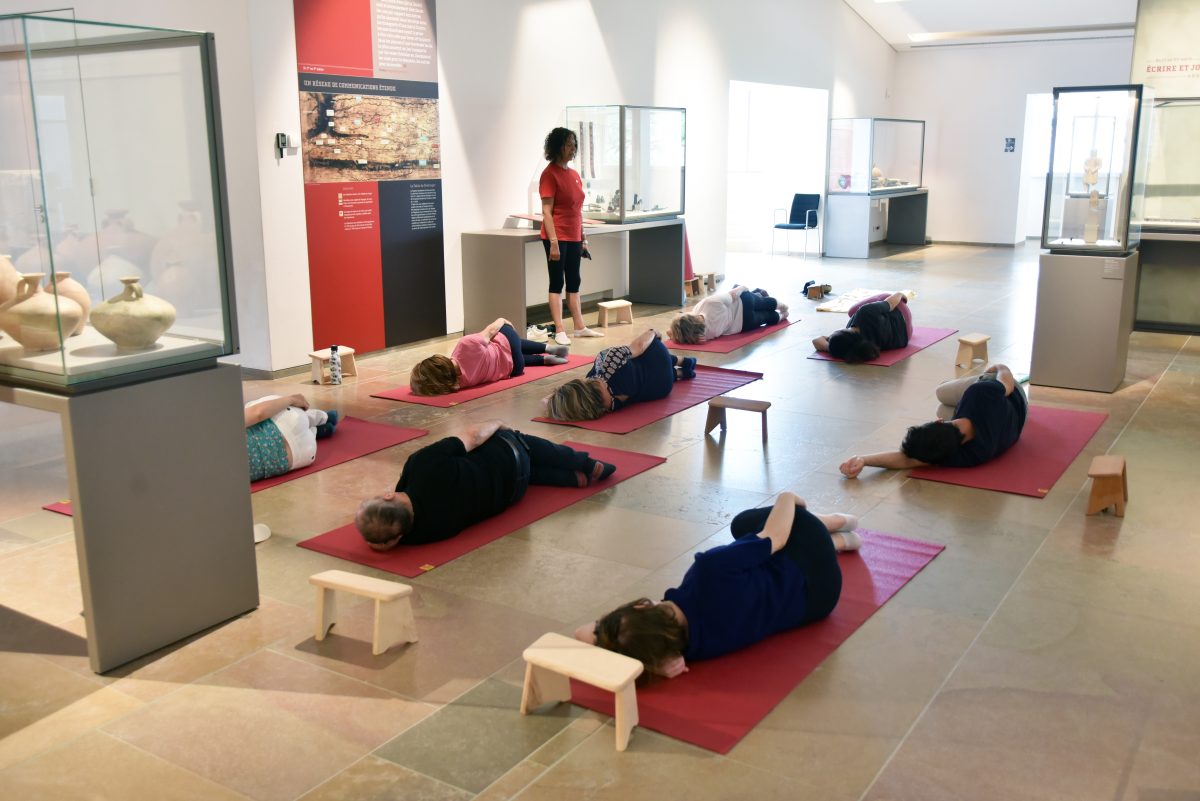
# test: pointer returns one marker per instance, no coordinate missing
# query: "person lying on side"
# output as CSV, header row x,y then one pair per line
x,y
494,353
723,313
781,571
880,322
989,415
282,433
459,481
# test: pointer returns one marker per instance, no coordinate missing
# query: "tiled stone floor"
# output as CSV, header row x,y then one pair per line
x,y
1043,655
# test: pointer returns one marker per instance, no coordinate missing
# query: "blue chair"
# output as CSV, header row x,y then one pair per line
x,y
805,217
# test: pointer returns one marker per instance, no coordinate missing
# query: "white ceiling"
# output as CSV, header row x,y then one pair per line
x,y
911,24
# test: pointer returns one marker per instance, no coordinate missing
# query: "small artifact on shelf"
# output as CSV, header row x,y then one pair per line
x,y
1091,170
9,278
133,319
1091,226
32,317
65,286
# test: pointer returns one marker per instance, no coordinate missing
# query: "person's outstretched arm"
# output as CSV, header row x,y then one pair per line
x,y
480,433
257,411
893,460
821,344
1004,376
895,299
548,224
493,328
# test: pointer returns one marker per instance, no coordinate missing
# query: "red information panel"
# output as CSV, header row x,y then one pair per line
x,y
344,265
334,36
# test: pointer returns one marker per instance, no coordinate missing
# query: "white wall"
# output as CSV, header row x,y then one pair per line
x,y
971,99
508,67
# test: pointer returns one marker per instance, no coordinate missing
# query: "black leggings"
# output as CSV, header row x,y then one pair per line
x,y
546,463
757,311
524,351
809,546
569,256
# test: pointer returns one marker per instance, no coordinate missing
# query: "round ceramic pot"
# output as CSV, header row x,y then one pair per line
x,y
9,278
133,319
32,318
67,287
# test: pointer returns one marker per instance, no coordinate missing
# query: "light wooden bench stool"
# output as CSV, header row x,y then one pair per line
x,y
710,280
1110,485
815,292
718,405
970,348
691,286
622,308
394,621
320,363
551,663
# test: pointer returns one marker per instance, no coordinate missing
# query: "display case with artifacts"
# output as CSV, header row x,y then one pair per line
x,y
631,160
113,224
1090,188
875,155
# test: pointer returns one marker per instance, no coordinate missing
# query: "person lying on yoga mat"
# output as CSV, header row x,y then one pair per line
x,y
494,353
781,571
988,415
461,480
880,322
740,309
282,433
643,370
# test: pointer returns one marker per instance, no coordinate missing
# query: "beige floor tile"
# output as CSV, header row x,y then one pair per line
x,y
100,768
375,779
64,724
40,526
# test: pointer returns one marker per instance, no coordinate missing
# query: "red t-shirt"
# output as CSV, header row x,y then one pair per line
x,y
566,187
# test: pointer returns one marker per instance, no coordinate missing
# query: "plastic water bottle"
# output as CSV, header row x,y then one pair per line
x,y
335,365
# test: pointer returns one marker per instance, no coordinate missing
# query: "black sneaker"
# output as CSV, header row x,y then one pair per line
x,y
687,368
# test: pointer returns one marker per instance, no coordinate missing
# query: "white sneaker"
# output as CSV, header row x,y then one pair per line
x,y
535,333
562,339
586,332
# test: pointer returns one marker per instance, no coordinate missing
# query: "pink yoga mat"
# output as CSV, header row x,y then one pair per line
x,y
730,343
1050,441
532,373
718,701
708,383
353,438
346,543
921,339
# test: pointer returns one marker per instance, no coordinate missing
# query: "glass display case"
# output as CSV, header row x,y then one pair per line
x,y
1091,186
875,155
1172,193
113,227
631,160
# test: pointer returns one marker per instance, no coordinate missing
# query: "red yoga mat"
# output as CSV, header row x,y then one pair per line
x,y
346,543
532,373
921,339
353,438
718,701
731,342
1050,441
708,383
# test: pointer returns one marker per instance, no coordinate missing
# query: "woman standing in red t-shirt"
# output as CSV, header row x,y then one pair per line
x,y
561,191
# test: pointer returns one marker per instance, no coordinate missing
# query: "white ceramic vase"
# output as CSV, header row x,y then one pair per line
x,y
9,278
67,287
133,319
32,318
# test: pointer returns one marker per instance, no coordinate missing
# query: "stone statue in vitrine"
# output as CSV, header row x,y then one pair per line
x,y
1091,170
133,319
32,317
1091,226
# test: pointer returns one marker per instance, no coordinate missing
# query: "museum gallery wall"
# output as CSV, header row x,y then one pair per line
x,y
370,143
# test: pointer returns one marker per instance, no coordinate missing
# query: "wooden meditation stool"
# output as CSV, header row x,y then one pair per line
x,y
691,286
718,405
710,280
1110,485
815,292
970,348
551,663
622,308
320,363
394,621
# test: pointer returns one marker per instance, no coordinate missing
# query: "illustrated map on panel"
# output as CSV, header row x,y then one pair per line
x,y
369,138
